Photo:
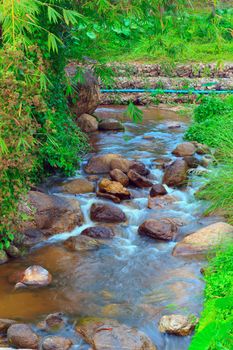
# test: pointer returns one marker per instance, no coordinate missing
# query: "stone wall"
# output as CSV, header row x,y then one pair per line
x,y
190,76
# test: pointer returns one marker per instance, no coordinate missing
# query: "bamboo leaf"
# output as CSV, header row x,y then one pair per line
x,y
53,15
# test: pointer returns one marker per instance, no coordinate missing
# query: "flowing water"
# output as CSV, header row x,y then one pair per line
x,y
132,279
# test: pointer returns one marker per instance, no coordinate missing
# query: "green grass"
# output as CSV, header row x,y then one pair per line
x,y
213,125
215,329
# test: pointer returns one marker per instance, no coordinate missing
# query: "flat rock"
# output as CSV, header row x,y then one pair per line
x,y
205,239
184,149
87,123
110,334
53,214
119,176
110,124
177,325
77,186
98,232
81,243
21,336
100,164
114,188
158,229
56,343
176,173
107,213
139,180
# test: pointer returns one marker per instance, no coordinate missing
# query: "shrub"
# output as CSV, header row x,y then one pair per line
x,y
211,107
215,330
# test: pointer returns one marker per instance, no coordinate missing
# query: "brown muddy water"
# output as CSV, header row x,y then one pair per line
x,y
132,279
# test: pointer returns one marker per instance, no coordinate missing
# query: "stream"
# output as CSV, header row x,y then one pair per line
x,y
132,279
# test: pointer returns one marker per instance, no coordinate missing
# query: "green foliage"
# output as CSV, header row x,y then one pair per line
x,y
211,107
156,31
213,121
215,330
62,142
134,113
19,97
37,132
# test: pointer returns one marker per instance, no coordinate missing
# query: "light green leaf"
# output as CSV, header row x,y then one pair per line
x,y
53,15
91,35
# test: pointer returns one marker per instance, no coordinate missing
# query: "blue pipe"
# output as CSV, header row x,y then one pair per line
x,y
167,91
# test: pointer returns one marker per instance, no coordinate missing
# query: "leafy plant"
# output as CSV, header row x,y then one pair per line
x,y
134,113
215,329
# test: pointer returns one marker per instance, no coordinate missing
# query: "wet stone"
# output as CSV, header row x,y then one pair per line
x,y
81,243
22,336
139,180
98,232
103,334
35,276
56,343
158,229
177,324
107,213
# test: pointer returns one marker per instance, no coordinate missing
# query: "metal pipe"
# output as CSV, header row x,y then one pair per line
x,y
166,91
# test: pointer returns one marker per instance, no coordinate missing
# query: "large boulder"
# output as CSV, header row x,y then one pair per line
x,y
110,124
107,213
98,232
177,324
110,334
81,243
35,276
86,95
56,343
22,336
87,123
184,149
100,164
176,173
77,186
205,239
139,180
114,188
53,214
158,229
119,176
